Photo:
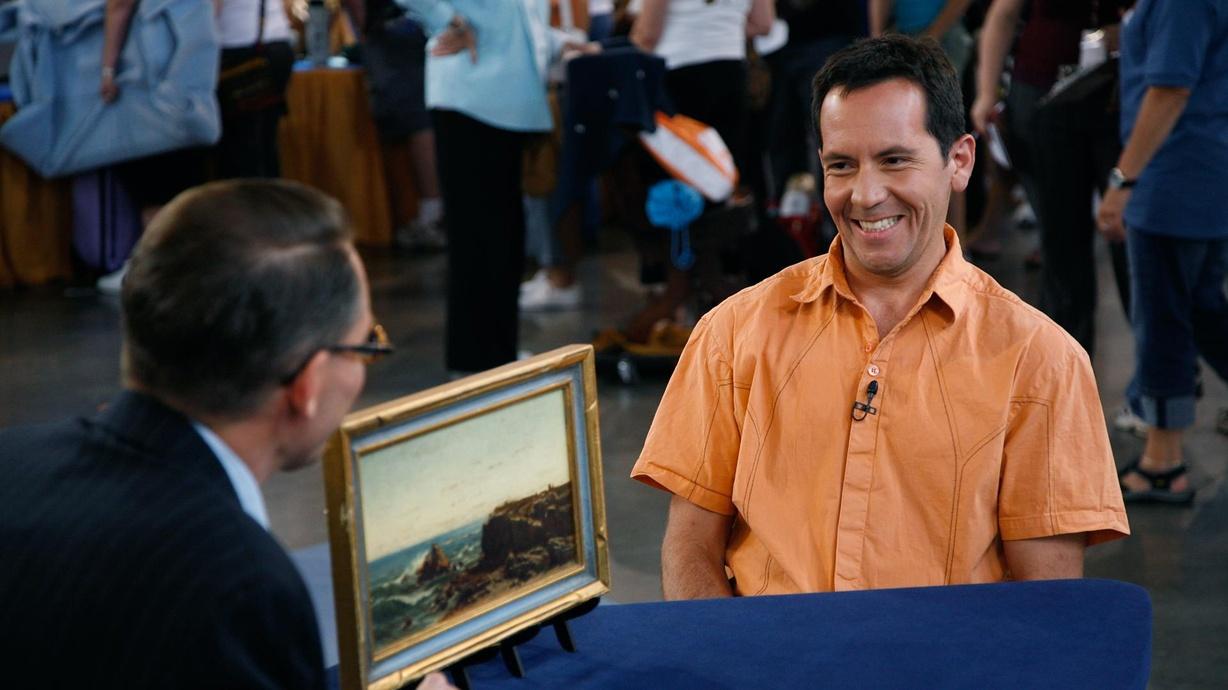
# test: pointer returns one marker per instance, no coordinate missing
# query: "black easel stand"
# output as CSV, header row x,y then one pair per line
x,y
508,648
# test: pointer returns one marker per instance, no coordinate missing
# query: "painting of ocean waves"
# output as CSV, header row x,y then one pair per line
x,y
433,580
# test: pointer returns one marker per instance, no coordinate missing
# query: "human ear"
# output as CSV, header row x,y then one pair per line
x,y
962,157
303,392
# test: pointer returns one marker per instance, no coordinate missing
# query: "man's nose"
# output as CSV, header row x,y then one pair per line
x,y
869,188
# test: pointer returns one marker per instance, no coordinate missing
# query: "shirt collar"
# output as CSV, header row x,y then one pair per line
x,y
947,282
241,478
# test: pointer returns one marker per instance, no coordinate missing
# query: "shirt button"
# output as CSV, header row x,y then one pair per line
x,y
872,370
869,347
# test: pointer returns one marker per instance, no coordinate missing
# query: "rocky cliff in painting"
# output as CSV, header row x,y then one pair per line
x,y
445,576
436,564
520,541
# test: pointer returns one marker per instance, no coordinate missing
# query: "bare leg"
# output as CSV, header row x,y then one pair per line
x,y
1162,452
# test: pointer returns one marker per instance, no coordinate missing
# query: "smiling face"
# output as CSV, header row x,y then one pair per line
x,y
886,182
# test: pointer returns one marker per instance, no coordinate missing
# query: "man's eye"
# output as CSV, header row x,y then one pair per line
x,y
895,161
838,166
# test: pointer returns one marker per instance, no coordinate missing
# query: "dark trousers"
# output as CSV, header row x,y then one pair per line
x,y
715,94
1074,147
1180,312
790,137
479,172
249,139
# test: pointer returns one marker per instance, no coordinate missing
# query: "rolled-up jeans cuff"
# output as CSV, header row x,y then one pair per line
x,y
1175,412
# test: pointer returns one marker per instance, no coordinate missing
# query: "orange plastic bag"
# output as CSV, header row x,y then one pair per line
x,y
693,152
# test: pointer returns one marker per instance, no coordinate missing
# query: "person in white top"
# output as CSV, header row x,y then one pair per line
x,y
704,46
691,32
246,29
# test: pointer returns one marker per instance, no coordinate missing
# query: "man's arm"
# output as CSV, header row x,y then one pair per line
x,y
1157,116
116,20
996,37
648,25
952,12
760,18
693,553
879,12
1046,558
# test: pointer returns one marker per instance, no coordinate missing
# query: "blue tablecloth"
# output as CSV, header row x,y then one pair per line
x,y
1060,634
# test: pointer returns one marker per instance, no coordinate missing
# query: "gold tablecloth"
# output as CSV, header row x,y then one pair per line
x,y
327,141
35,222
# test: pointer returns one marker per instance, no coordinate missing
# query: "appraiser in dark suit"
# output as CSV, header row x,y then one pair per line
x,y
134,550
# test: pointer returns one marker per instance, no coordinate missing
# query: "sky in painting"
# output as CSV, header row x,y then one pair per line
x,y
457,474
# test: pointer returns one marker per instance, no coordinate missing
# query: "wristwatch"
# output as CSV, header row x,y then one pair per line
x,y
1118,180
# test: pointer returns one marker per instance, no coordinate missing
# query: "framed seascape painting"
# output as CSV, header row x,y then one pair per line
x,y
464,514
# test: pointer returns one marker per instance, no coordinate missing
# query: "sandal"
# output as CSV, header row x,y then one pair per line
x,y
1160,490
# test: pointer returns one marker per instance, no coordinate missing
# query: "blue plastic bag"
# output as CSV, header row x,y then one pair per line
x,y
675,205
167,74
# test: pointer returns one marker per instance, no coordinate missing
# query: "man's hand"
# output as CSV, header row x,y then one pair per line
x,y
1046,558
1109,216
984,110
573,49
435,681
108,89
459,36
693,553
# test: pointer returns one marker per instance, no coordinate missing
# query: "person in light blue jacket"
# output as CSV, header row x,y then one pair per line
x,y
486,75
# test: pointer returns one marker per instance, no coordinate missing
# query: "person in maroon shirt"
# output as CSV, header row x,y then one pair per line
x,y
1061,152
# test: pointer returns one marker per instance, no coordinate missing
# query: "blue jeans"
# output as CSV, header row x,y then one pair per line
x,y
1179,312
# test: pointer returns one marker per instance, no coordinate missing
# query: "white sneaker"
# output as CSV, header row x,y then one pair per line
x,y
542,296
421,237
1125,420
112,282
1024,217
538,280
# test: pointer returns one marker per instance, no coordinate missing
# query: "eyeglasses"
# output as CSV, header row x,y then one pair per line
x,y
375,346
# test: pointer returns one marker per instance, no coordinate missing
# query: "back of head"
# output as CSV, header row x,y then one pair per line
x,y
919,61
233,285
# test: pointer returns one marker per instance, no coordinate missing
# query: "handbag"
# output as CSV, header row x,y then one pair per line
x,y
694,153
250,84
167,73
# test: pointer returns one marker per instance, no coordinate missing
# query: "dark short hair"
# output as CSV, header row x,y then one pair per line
x,y
233,285
872,61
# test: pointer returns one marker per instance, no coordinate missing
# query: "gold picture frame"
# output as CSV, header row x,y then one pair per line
x,y
442,538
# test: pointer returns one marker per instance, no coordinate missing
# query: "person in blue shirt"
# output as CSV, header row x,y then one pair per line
x,y
486,74
1165,199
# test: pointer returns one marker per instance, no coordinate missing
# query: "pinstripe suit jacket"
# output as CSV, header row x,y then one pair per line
x,y
126,561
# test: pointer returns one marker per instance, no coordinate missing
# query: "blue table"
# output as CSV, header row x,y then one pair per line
x,y
1061,634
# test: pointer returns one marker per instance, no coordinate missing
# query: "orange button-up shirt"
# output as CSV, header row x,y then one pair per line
x,y
986,427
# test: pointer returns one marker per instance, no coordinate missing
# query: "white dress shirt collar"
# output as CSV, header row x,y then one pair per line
x,y
241,477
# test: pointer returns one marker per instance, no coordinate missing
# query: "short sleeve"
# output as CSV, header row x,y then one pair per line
x,y
692,446
1058,475
1178,39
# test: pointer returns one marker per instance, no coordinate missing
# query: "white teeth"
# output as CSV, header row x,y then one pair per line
x,y
878,225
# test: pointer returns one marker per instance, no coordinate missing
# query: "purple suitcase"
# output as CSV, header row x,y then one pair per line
x,y
106,224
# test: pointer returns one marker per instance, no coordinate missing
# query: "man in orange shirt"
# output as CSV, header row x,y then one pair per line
x,y
886,415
